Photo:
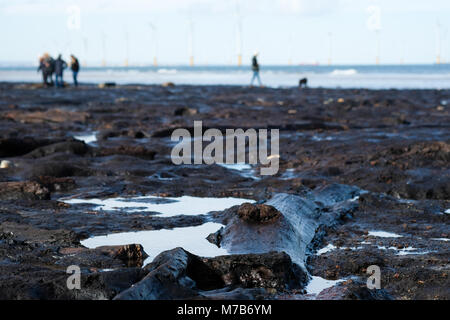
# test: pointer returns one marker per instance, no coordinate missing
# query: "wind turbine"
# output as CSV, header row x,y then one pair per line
x,y
402,52
155,43
374,24
438,42
330,56
85,47
191,41
291,48
127,48
378,47
238,34
103,35
444,48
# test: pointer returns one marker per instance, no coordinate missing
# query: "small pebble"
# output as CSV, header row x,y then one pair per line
x,y
5,164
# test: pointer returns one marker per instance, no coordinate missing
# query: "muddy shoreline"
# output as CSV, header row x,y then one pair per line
x,y
360,160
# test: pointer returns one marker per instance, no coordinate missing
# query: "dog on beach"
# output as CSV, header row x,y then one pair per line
x,y
303,83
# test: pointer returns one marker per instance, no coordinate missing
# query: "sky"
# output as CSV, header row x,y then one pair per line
x,y
282,31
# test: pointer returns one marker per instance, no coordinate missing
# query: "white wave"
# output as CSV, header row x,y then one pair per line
x,y
167,71
344,72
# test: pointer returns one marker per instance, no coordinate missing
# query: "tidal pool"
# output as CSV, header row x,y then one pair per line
x,y
165,207
87,138
192,239
405,251
384,234
318,284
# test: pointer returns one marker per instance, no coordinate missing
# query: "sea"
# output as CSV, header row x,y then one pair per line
x,y
342,76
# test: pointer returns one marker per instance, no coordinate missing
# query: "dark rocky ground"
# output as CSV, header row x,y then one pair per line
x,y
392,146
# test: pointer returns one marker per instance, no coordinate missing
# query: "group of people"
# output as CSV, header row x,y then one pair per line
x,y
49,66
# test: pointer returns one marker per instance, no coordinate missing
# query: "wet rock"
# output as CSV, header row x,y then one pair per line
x,y
333,171
258,213
168,85
368,146
135,151
5,164
185,111
12,147
132,254
123,100
273,270
107,134
57,184
294,221
107,85
74,147
51,115
236,294
427,188
51,284
177,274
23,191
37,237
104,285
57,170
353,290
174,274
139,135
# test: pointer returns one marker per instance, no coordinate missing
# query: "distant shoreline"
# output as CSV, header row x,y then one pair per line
x,y
90,85
372,77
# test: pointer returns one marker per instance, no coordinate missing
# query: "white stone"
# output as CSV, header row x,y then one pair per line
x,y
5,164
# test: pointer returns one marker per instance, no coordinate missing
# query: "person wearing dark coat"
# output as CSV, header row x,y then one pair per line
x,y
43,69
46,66
60,65
75,66
255,69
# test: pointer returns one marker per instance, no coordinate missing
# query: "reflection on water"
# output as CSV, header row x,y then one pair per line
x,y
384,234
166,207
192,239
87,138
318,284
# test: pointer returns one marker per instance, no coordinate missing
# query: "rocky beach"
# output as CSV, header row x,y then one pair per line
x,y
86,179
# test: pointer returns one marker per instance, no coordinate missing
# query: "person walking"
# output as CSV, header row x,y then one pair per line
x,y
60,65
255,69
46,66
75,66
43,69
49,67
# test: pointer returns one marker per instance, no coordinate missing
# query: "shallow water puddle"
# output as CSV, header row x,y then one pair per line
x,y
244,169
192,239
166,207
318,138
384,234
236,166
328,248
441,239
405,251
87,138
289,174
318,284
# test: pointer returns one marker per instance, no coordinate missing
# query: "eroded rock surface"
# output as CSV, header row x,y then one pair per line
x,y
293,222
394,144
178,274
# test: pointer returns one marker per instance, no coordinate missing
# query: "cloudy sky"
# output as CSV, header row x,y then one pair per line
x,y
281,30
